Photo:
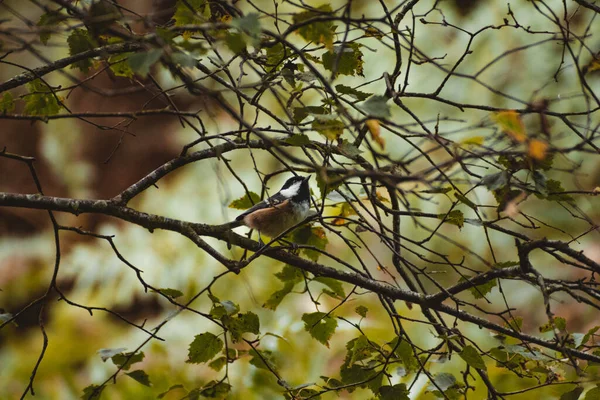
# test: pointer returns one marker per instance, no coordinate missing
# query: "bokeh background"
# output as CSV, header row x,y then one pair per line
x,y
78,159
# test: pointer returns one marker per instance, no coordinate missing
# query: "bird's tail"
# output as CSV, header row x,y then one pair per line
x,y
231,225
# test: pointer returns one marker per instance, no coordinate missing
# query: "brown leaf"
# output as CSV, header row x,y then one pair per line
x,y
512,207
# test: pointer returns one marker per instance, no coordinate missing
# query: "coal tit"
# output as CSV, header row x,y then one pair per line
x,y
280,212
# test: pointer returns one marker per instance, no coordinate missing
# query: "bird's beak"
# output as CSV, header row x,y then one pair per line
x,y
307,178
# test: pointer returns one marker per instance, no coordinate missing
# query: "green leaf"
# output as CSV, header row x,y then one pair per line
x,y
349,60
184,59
173,293
357,94
168,36
311,236
140,376
454,217
480,291
318,32
236,42
529,353
333,284
102,14
495,181
376,107
126,360
224,308
546,163
465,200
80,41
349,149
288,73
396,392
362,311
540,183
196,48
356,373
405,353
375,382
302,112
587,336
298,140
558,323
92,392
174,387
203,348
324,185
320,326
262,359
277,297
573,394
215,390
218,363
7,104
119,65
246,201
504,195
41,100
329,126
250,24
290,273
199,12
49,19
593,394
555,191
140,63
472,357
242,323
275,56
442,190
358,349
331,382
515,323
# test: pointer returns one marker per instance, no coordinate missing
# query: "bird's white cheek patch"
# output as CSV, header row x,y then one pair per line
x,y
291,191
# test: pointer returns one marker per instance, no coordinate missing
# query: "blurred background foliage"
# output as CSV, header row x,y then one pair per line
x,y
81,160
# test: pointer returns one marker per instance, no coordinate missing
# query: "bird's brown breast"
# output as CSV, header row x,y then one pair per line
x,y
271,221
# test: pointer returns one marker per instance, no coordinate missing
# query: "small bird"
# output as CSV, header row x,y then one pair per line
x,y
280,212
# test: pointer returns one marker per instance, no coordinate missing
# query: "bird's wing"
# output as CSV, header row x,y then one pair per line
x,y
272,201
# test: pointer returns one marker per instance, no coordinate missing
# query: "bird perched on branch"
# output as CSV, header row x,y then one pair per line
x,y
280,212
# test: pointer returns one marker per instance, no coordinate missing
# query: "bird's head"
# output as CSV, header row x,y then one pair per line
x,y
296,188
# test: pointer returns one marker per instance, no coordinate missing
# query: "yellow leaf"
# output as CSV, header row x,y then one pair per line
x,y
511,124
594,65
346,210
375,129
475,140
537,149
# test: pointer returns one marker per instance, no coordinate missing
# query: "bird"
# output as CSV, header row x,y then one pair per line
x,y
280,212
